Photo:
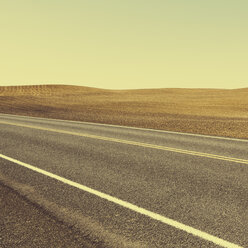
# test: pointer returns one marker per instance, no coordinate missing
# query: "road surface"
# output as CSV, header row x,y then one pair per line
x,y
130,187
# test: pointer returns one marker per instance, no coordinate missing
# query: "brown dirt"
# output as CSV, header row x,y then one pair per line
x,y
204,111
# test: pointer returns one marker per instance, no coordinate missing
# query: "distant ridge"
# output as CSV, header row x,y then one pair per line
x,y
45,89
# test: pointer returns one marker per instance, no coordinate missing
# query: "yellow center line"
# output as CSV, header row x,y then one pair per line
x,y
135,143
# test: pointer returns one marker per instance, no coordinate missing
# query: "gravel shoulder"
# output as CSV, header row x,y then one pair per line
x,y
22,224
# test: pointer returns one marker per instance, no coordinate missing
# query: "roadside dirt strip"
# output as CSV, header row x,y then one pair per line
x,y
23,224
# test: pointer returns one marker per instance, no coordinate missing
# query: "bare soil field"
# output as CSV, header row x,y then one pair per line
x,y
204,111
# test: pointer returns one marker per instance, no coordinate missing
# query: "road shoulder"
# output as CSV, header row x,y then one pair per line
x,y
22,224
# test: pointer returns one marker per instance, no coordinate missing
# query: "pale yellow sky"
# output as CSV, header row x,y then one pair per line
x,y
119,44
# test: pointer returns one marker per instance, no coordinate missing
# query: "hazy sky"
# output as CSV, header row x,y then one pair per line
x,y
125,43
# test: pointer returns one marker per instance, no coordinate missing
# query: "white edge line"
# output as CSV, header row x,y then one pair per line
x,y
138,128
125,204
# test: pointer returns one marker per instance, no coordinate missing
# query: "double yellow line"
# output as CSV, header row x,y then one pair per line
x,y
135,143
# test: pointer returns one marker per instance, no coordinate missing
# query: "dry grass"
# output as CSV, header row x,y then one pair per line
x,y
204,111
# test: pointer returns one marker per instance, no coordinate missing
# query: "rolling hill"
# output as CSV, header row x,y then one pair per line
x,y
205,111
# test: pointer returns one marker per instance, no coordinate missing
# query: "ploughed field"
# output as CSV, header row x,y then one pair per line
x,y
203,111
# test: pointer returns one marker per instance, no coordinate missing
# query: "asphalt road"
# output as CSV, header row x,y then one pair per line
x,y
130,187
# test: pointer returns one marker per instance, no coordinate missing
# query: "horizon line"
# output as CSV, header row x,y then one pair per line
x,y
146,88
